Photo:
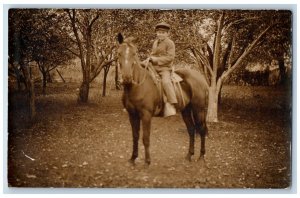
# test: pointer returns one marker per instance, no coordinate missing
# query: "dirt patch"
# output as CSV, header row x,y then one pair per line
x,y
71,145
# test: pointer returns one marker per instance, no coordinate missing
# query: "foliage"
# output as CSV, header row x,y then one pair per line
x,y
237,33
21,48
216,42
20,30
34,38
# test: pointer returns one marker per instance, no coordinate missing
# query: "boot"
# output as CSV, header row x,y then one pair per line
x,y
169,109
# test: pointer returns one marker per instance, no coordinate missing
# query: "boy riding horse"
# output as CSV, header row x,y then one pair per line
x,y
162,57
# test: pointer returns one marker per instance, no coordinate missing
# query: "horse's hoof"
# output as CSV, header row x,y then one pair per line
x,y
201,159
188,157
147,163
132,162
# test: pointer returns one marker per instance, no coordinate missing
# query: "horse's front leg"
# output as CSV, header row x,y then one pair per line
x,y
135,125
146,120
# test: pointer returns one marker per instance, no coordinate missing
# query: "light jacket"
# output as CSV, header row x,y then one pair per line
x,y
163,54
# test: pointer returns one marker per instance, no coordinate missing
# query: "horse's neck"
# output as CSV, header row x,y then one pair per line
x,y
137,75
138,72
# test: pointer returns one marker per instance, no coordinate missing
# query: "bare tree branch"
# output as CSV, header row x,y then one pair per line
x,y
75,30
217,47
210,54
227,26
104,64
94,20
231,52
205,62
78,55
240,59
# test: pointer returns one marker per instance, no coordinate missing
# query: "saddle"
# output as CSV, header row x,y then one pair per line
x,y
175,79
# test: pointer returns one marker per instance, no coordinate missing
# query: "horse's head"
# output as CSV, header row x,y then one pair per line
x,y
127,52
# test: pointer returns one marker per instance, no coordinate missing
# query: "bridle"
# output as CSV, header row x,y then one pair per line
x,y
145,72
136,61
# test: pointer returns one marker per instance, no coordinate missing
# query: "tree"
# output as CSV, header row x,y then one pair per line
x,y
236,34
21,47
82,24
50,47
278,42
217,41
106,70
16,73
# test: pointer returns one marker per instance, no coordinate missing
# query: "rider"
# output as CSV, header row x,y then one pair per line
x,y
162,57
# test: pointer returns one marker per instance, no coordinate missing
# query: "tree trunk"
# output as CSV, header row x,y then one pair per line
x,y
49,78
30,89
213,91
20,80
60,76
282,70
117,82
220,97
104,81
32,100
84,92
212,114
18,77
44,74
19,83
84,44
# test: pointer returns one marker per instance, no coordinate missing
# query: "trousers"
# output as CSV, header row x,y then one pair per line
x,y
168,86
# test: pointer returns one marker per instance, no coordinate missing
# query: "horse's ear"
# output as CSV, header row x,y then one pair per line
x,y
120,38
131,39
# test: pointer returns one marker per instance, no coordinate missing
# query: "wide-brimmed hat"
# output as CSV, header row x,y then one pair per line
x,y
162,26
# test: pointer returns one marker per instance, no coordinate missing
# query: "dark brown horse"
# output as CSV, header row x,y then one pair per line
x,y
141,98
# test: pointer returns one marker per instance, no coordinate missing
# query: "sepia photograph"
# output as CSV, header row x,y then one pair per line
x,y
150,98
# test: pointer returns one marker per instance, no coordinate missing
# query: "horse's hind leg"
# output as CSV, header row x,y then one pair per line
x,y
201,128
188,120
135,125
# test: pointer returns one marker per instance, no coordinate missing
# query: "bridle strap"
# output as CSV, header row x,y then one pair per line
x,y
145,71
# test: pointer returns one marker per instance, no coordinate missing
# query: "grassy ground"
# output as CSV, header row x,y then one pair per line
x,y
71,145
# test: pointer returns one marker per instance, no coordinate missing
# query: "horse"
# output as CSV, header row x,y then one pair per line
x,y
141,97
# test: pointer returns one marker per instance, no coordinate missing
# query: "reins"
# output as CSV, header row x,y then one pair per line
x,y
145,72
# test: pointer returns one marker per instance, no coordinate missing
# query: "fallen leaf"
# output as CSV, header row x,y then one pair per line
x,y
30,176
